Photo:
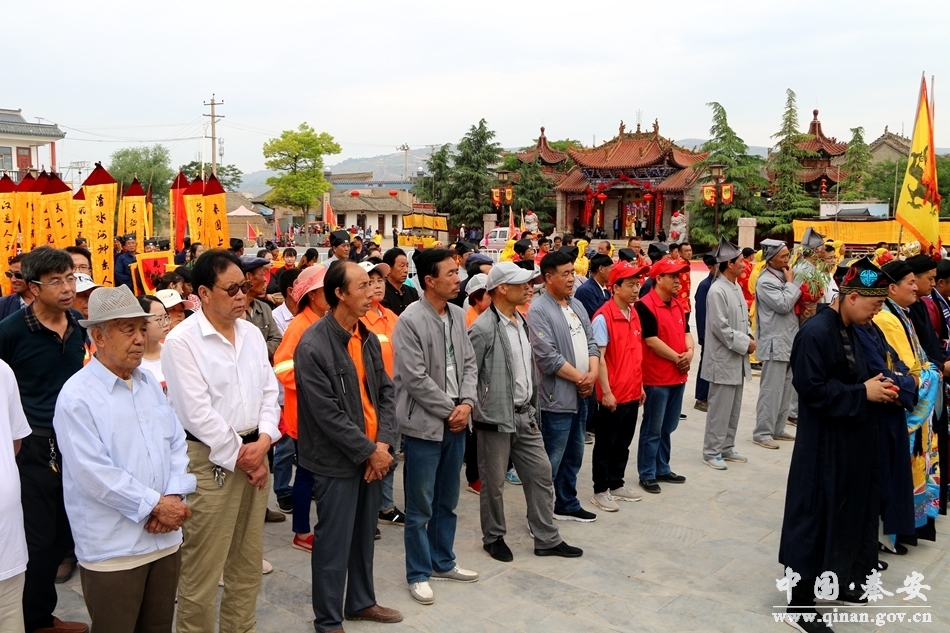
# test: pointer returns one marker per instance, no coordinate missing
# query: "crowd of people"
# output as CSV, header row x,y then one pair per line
x,y
147,431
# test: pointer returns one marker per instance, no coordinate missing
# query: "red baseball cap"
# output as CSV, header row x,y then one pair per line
x,y
667,266
623,270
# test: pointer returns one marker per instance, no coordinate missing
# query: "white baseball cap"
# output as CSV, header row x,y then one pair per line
x,y
84,282
370,267
476,283
508,273
170,298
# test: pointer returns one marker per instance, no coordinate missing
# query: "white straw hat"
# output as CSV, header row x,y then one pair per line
x,y
106,304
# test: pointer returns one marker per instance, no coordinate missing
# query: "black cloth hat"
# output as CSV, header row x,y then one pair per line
x,y
921,264
339,237
657,251
522,245
462,247
151,242
897,270
866,279
626,255
250,264
164,245
726,252
571,251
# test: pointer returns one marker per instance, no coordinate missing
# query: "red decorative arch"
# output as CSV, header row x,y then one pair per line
x,y
590,194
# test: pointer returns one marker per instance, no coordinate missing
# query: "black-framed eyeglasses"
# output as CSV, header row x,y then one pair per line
x,y
12,275
234,288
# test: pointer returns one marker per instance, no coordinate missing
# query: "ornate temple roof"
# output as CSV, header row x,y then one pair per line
x,y
547,154
821,143
635,149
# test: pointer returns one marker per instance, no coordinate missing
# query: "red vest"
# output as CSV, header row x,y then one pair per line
x,y
671,329
624,353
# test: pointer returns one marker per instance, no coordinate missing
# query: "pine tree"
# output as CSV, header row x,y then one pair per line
x,y
534,192
789,200
743,170
433,187
857,162
468,195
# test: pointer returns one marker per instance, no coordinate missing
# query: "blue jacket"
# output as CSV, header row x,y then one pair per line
x,y
700,297
591,296
123,272
9,304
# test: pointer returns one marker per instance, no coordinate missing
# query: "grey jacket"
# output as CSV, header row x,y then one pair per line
x,y
551,342
261,315
422,406
496,382
776,323
330,424
725,353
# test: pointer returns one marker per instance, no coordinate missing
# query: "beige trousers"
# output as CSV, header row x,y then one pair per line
x,y
11,604
224,534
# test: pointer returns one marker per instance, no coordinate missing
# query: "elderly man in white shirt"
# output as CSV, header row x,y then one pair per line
x,y
125,473
224,391
13,554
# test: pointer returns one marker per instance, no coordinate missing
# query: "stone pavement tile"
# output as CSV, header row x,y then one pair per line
x,y
628,586
292,561
559,621
288,593
544,591
709,520
446,615
695,613
273,619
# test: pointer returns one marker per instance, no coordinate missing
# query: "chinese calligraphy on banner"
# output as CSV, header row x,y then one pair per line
x,y
133,212
101,191
194,210
216,218
55,204
9,220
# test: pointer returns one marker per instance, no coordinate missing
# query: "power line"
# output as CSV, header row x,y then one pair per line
x,y
214,120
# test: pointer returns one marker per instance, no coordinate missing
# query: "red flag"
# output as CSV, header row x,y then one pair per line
x,y
177,210
251,233
276,229
511,224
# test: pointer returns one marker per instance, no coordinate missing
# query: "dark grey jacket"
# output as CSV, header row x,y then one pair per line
x,y
331,428
496,381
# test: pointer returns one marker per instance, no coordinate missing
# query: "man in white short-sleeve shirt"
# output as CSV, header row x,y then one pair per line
x,y
13,557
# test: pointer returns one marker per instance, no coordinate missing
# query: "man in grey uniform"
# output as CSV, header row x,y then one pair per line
x,y
776,294
726,361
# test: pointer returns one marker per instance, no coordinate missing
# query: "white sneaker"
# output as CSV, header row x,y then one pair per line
x,y
267,567
604,501
422,593
716,463
625,494
456,574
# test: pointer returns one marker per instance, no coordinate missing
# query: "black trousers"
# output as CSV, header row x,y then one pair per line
x,y
615,431
48,537
343,547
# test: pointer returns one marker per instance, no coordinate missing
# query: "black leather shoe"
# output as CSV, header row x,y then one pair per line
x,y
672,478
562,549
499,550
650,486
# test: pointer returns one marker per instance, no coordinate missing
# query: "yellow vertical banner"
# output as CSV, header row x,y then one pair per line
x,y
101,191
21,202
56,202
194,209
79,218
149,219
8,229
35,209
133,210
216,214
918,205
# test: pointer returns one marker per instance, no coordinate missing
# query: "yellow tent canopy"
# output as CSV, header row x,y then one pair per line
x,y
868,232
424,221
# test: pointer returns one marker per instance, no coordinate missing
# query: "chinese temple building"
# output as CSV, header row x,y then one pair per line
x,y
822,170
889,146
549,158
634,175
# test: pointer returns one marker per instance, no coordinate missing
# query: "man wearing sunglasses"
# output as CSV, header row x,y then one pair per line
x,y
21,295
44,345
224,391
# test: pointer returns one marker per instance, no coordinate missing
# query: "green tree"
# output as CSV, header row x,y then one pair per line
x,y
298,155
152,166
534,192
469,190
857,162
228,175
879,184
743,170
789,200
433,186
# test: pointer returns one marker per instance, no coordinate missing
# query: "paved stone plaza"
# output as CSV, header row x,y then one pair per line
x,y
697,557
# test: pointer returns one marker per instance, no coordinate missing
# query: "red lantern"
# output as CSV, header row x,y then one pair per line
x,y
601,196
648,197
393,193
355,193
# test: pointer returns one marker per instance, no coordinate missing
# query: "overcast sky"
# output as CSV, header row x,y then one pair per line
x,y
379,74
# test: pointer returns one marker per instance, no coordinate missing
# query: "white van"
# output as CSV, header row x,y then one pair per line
x,y
497,238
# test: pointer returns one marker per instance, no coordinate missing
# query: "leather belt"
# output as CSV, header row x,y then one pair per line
x,y
247,437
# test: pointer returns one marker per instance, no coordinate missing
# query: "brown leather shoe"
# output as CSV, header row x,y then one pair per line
x,y
273,516
64,627
377,613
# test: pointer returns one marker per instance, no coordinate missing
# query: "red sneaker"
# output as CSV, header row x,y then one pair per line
x,y
475,486
304,543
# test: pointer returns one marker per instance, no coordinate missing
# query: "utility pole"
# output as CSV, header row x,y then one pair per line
x,y
214,138
404,148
